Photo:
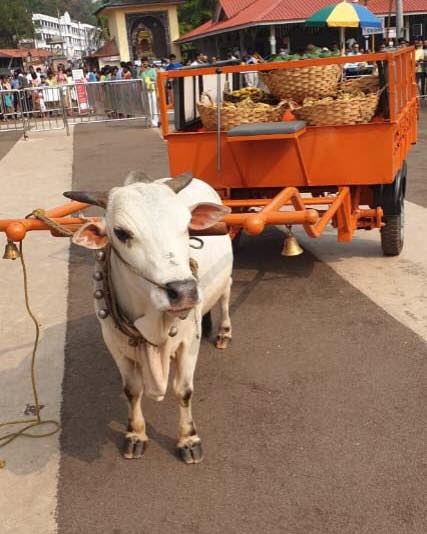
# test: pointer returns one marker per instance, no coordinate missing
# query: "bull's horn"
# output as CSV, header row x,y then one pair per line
x,y
181,181
138,176
96,198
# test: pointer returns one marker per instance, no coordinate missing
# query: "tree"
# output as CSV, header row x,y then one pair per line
x,y
194,13
15,22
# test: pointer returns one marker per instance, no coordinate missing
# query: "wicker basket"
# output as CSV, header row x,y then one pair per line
x,y
235,114
369,83
297,84
356,110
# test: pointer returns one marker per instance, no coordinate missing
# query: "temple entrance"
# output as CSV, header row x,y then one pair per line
x,y
147,36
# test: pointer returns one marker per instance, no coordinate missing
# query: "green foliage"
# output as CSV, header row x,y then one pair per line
x,y
193,13
15,22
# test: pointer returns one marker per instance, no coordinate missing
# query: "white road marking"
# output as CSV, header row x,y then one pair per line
x,y
34,175
397,284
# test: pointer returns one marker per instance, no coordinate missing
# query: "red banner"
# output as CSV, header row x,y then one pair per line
x,y
82,98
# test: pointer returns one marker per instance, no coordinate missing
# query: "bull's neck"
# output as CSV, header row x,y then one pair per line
x,y
133,297
132,294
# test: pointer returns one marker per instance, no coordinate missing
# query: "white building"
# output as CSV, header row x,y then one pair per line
x,y
79,38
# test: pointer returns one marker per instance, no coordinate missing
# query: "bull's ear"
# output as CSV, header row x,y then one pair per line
x,y
206,214
91,235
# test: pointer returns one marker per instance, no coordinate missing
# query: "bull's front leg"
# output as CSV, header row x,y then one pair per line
x,y
224,333
189,445
136,438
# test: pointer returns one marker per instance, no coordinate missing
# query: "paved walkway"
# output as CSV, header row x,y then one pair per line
x,y
313,421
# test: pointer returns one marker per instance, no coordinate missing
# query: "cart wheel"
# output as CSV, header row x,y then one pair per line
x,y
392,234
392,200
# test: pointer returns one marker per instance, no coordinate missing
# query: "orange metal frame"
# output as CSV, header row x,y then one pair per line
x,y
339,209
323,156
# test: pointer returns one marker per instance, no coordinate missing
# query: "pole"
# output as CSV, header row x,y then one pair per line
x,y
399,19
342,40
273,40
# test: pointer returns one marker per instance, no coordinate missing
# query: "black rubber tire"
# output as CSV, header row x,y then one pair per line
x,y
392,235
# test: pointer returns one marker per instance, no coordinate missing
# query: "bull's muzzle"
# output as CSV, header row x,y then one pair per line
x,y
183,295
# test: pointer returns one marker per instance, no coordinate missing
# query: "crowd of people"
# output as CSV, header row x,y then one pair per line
x,y
146,69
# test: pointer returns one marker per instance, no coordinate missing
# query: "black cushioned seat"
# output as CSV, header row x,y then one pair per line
x,y
267,128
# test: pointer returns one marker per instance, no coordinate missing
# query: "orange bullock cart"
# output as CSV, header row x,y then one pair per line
x,y
352,175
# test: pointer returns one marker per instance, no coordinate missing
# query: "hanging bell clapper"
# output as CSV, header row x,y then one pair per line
x,y
11,251
291,246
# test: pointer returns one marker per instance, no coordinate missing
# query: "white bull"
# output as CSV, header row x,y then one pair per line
x,y
146,233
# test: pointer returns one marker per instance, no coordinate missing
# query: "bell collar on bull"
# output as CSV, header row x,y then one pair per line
x,y
138,329
107,305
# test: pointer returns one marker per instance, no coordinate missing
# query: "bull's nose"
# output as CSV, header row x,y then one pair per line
x,y
182,293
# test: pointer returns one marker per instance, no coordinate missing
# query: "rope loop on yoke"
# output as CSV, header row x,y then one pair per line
x,y
56,228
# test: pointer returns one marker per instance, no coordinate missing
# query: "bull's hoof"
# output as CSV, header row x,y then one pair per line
x,y
222,342
191,453
134,448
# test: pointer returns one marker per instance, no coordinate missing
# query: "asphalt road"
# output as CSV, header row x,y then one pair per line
x,y
313,421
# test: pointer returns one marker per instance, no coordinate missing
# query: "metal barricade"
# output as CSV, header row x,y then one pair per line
x,y
106,101
12,108
58,107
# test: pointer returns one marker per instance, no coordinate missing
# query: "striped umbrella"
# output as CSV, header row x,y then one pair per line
x,y
344,15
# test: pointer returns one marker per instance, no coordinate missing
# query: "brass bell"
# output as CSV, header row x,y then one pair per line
x,y
291,246
11,251
173,331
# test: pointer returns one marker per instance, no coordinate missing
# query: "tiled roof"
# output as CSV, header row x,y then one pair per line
x,y
245,13
108,49
23,52
232,7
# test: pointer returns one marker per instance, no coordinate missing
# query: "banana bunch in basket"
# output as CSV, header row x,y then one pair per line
x,y
253,93
245,103
341,95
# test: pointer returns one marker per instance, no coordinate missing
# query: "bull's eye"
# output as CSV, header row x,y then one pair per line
x,y
122,234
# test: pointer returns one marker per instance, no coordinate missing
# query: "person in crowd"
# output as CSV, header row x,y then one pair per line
x,y
148,74
198,60
91,75
425,69
251,78
173,64
419,68
353,69
6,98
61,77
126,73
119,74
335,49
113,75
232,56
32,77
